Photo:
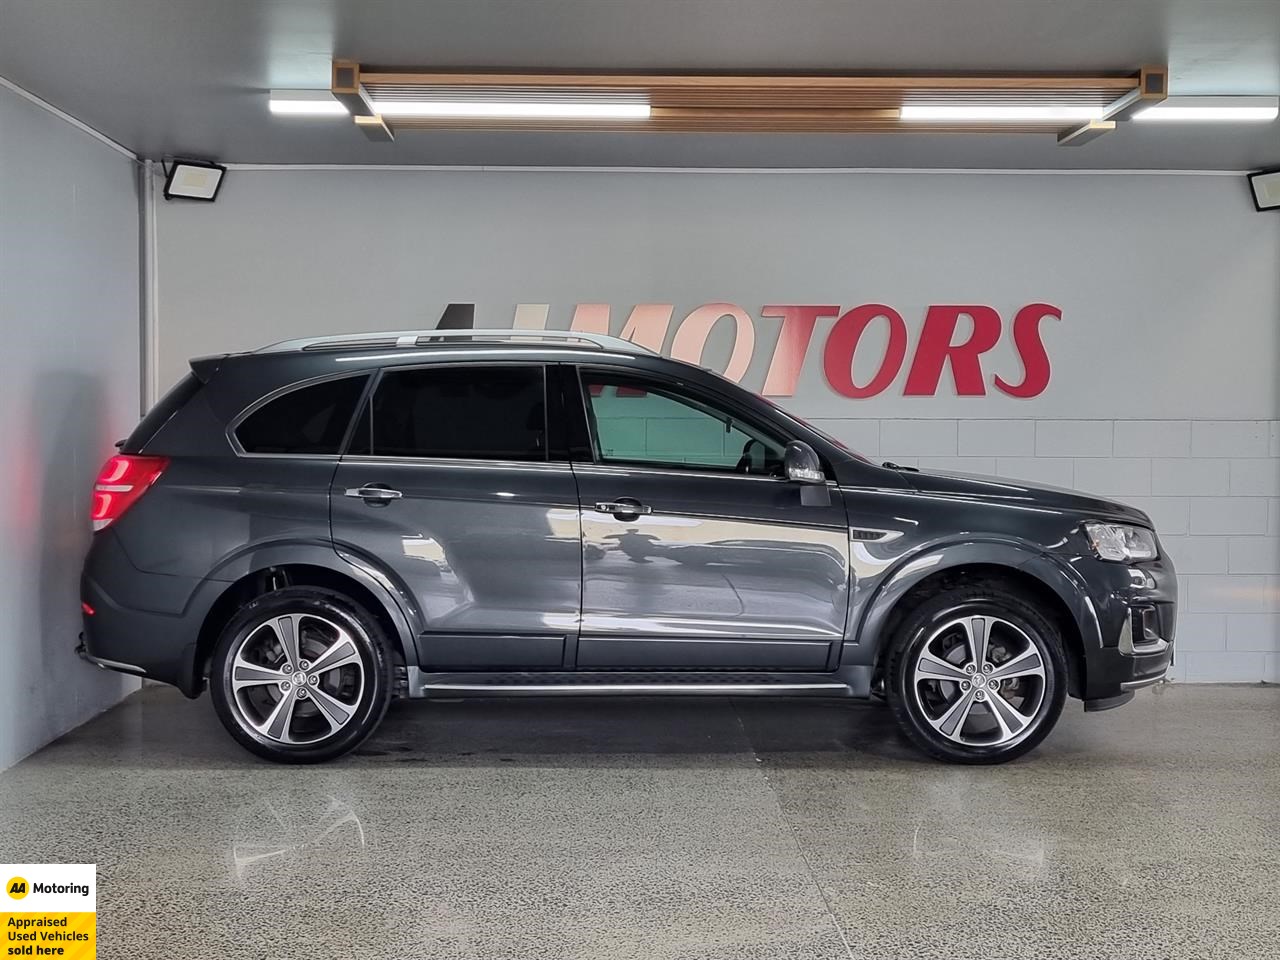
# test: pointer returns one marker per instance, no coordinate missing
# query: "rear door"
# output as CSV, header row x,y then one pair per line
x,y
449,484
697,552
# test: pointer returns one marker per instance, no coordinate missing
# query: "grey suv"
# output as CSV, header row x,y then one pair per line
x,y
322,525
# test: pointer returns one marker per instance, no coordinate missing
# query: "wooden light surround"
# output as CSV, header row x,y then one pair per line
x,y
715,103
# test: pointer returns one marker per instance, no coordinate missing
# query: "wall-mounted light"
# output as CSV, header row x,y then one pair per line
x,y
305,103
1266,189
1209,109
989,113
193,180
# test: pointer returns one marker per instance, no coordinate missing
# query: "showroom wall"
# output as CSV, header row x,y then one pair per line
x,y
1118,333
69,291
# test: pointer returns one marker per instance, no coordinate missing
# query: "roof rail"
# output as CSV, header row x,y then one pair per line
x,y
418,338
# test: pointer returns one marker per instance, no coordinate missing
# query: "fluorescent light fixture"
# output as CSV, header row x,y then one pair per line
x,y
193,180
514,109
994,113
1209,109
305,103
1266,189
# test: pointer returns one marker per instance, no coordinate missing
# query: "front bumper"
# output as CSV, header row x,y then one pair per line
x,y
1136,610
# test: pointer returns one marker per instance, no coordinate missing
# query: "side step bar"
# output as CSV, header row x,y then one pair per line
x,y
846,682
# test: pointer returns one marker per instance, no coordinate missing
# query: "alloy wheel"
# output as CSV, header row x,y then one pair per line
x,y
980,680
296,679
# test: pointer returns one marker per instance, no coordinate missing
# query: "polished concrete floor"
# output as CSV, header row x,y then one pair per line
x,y
669,828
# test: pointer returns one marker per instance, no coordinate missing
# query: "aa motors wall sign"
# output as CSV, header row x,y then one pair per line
x,y
959,340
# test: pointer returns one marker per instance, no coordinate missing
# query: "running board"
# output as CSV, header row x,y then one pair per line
x,y
846,682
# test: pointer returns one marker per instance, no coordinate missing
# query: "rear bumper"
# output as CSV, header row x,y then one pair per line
x,y
142,624
83,653
139,643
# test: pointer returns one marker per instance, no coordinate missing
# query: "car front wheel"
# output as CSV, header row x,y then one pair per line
x,y
301,675
977,674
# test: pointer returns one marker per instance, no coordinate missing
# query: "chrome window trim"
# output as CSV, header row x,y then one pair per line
x,y
459,462
628,469
332,457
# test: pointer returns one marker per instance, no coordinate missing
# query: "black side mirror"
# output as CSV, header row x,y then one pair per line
x,y
803,467
802,464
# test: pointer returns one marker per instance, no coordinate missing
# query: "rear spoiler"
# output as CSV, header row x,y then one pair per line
x,y
205,367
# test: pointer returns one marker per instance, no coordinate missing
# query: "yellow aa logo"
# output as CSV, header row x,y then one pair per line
x,y
16,888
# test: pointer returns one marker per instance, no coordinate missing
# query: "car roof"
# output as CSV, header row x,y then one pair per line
x,y
418,339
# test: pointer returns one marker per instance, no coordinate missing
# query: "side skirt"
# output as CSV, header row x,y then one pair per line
x,y
852,681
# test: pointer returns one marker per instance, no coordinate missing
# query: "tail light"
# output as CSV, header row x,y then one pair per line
x,y
121,481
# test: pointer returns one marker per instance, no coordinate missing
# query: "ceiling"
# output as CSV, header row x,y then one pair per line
x,y
177,77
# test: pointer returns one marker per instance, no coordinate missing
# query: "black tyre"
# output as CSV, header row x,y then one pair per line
x,y
301,675
976,674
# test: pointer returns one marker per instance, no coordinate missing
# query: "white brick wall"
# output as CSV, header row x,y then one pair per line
x,y
1212,488
997,438
1230,438
1074,438
917,438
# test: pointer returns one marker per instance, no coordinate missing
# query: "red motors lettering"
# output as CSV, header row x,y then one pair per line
x,y
939,348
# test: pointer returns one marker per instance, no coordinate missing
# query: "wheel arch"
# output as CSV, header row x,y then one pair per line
x,y
1051,585
253,575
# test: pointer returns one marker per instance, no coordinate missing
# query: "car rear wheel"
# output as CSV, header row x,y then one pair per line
x,y
977,675
301,675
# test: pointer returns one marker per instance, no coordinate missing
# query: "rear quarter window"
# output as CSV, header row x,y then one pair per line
x,y
309,420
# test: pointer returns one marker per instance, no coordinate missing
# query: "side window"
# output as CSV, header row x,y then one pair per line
x,y
634,421
465,412
309,420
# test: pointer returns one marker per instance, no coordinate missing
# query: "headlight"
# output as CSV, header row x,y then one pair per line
x,y
1119,541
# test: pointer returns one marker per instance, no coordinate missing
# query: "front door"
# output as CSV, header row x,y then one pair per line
x,y
448,483
697,552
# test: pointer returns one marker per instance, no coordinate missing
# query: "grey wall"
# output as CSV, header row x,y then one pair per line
x,y
69,315
1164,386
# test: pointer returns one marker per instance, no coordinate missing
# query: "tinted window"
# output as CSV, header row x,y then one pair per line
x,y
310,419
465,412
639,422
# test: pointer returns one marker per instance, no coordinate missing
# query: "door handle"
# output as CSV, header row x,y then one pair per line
x,y
374,494
623,509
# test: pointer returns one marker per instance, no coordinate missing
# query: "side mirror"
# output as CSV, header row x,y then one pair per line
x,y
802,464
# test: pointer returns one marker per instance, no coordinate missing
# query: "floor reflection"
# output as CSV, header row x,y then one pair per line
x,y
276,834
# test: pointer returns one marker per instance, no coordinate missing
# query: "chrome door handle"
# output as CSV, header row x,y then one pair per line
x,y
378,494
623,508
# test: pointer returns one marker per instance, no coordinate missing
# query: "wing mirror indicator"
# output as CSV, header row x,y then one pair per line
x,y
802,464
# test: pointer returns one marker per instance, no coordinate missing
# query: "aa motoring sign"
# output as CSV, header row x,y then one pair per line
x,y
957,341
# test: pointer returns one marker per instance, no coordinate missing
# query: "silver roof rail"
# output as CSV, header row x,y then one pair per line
x,y
390,339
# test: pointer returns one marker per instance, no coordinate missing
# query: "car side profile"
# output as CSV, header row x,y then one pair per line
x,y
318,527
